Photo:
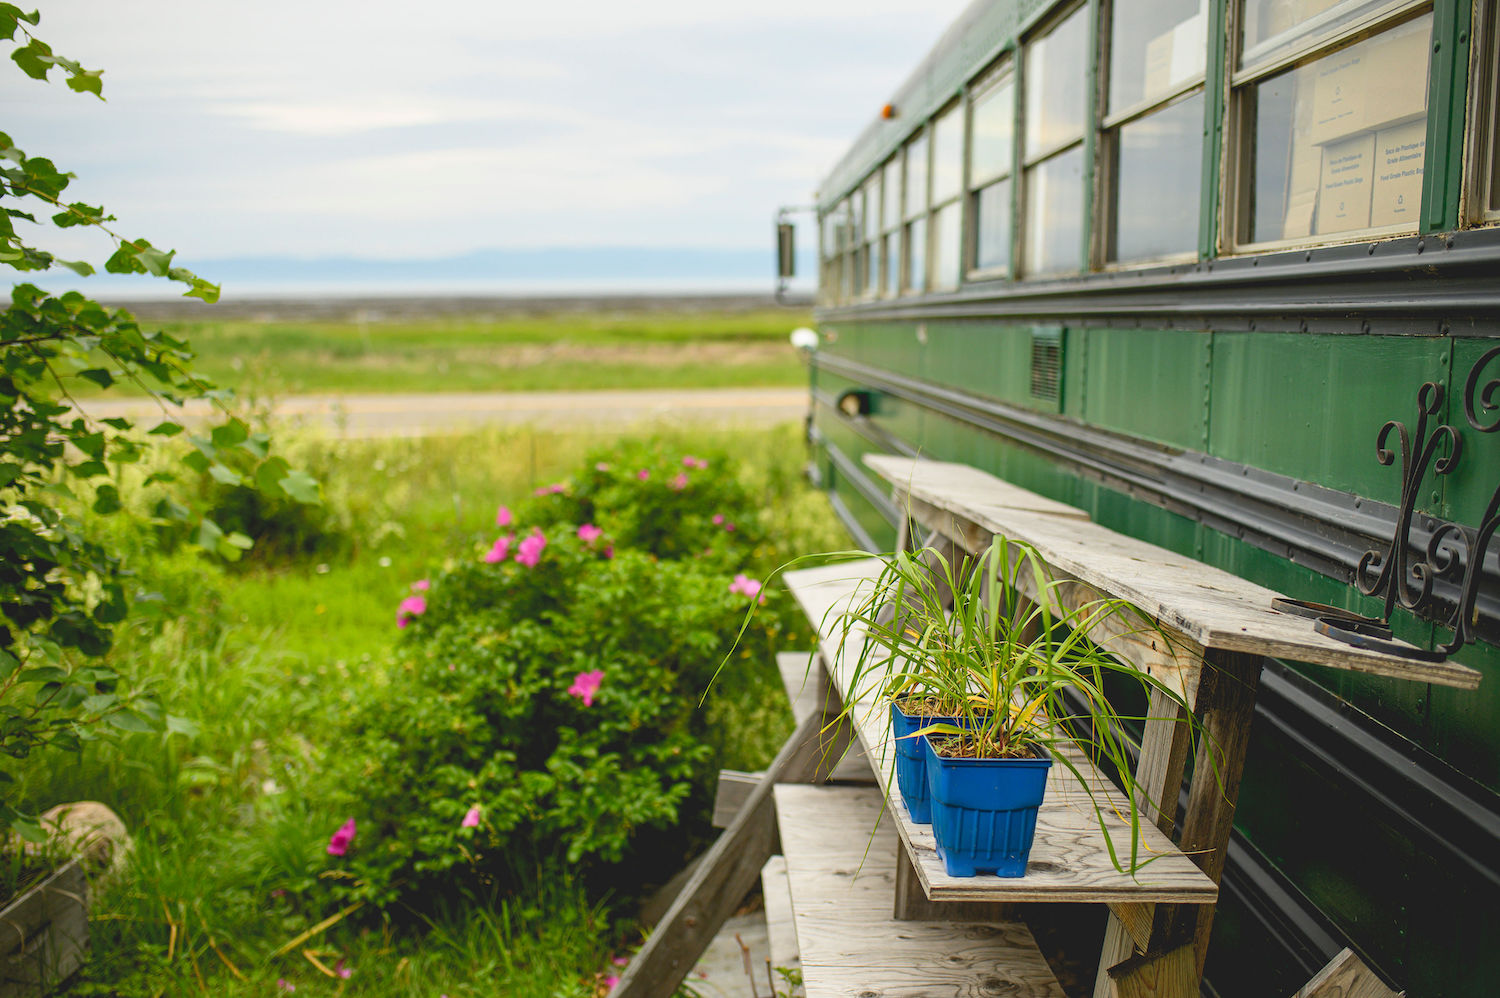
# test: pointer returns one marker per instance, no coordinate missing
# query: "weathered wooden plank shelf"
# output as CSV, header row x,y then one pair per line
x,y
1070,860
1202,606
840,861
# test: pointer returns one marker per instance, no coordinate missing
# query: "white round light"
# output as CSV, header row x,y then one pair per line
x,y
804,339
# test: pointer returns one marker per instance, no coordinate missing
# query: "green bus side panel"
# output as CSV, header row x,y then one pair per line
x,y
1469,488
1145,382
982,358
1462,723
1311,406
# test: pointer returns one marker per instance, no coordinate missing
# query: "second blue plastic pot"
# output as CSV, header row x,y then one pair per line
x,y
984,811
911,765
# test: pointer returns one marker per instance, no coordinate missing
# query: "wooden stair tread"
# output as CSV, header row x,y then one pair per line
x,y
840,857
800,675
781,929
1206,606
1070,860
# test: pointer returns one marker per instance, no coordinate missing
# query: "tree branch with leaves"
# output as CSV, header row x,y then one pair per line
x,y
62,593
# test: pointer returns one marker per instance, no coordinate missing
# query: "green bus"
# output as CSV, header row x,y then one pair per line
x,y
1178,262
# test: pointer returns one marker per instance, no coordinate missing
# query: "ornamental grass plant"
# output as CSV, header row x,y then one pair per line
x,y
988,643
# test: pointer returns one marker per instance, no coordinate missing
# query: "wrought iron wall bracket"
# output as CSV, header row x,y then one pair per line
x,y
1453,551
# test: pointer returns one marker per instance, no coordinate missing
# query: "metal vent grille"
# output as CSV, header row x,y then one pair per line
x,y
1046,364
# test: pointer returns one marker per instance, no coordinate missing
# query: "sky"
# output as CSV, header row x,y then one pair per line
x,y
420,130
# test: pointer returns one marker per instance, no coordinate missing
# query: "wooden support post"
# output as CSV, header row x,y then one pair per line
x,y
1224,708
731,867
1164,749
1346,976
1157,976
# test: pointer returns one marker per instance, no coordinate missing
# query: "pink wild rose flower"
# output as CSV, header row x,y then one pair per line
x,y
679,481
745,586
500,550
611,981
694,462
471,820
585,685
343,971
503,516
588,533
718,519
338,843
529,551
643,474
421,586
412,606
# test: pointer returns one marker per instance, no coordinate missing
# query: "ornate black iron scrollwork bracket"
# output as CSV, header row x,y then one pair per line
x,y
1453,552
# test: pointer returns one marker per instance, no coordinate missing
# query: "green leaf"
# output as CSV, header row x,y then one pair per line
x,y
154,260
107,501
165,429
182,726
86,81
239,540
230,434
98,703
128,720
302,487
209,535
34,58
202,289
98,376
269,475
80,267
27,829
224,475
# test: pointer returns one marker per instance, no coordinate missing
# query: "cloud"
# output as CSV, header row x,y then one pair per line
x,y
375,128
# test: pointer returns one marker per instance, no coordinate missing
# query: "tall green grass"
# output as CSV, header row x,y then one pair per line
x,y
566,352
268,659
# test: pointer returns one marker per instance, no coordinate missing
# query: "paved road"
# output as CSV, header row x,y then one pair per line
x,y
419,415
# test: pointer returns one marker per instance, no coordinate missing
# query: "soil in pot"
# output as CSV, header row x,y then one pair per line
x,y
983,809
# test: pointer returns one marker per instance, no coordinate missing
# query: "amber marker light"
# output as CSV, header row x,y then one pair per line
x,y
888,111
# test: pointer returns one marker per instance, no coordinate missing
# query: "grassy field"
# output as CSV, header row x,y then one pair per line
x,y
267,660
500,352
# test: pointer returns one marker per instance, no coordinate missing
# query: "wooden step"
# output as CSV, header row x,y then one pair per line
x,y
776,890
800,674
1071,859
841,866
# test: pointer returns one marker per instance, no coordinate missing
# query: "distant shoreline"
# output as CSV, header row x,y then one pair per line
x,y
374,307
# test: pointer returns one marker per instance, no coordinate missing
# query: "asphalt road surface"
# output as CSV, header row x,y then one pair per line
x,y
420,415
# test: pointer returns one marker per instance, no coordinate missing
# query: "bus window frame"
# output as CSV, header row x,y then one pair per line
x,y
1481,187
994,76
1236,174
959,106
1108,126
1029,161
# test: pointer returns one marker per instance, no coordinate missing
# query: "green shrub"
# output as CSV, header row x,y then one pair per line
x,y
548,691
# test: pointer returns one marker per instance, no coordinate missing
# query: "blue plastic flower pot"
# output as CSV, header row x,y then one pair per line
x,y
911,767
984,811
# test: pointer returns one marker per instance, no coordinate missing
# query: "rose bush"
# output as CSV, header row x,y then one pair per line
x,y
546,701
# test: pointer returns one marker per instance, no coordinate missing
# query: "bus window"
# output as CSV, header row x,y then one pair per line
x,y
1269,27
1153,148
1340,141
947,207
992,121
1055,112
890,227
916,256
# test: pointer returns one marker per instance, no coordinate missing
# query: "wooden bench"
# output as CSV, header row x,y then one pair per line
x,y
874,910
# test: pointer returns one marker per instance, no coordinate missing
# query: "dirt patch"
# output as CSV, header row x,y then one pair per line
x,y
532,355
